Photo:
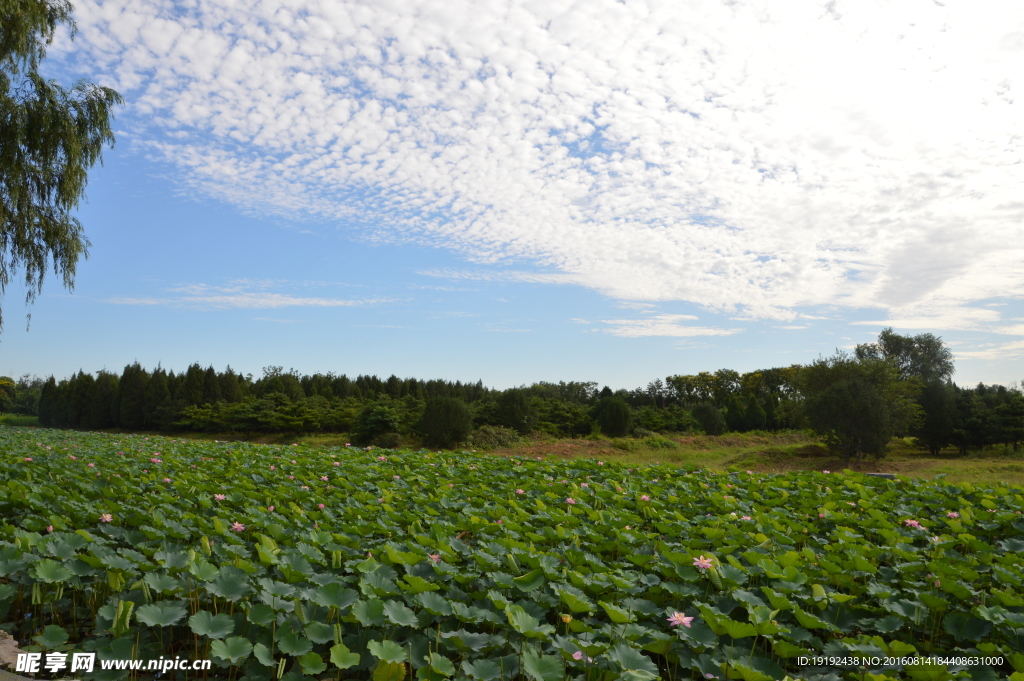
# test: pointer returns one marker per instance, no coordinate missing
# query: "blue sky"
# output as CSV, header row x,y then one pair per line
x,y
515,192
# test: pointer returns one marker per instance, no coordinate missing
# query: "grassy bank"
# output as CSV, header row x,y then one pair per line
x,y
763,452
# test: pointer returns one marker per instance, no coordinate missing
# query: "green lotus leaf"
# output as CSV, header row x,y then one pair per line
x,y
234,649
163,614
205,623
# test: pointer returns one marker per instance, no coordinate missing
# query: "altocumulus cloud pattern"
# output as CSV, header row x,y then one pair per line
x,y
756,158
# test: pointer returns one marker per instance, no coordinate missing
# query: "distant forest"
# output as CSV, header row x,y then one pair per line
x,y
899,386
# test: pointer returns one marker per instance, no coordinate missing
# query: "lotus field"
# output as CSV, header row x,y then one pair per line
x,y
298,562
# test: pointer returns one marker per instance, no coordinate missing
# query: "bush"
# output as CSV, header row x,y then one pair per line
x,y
446,421
493,437
710,418
388,441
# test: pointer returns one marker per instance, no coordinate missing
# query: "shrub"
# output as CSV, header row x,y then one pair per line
x,y
375,420
493,437
388,441
446,421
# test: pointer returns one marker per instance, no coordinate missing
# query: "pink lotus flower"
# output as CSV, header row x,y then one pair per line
x,y
382,458
106,518
49,528
912,523
294,461
952,514
679,618
570,500
347,444
337,463
324,478
618,489
451,484
219,497
600,463
28,458
583,484
578,655
746,517
628,527
167,479
145,470
750,472
499,521
938,583
92,465
520,491
73,457
238,527
702,563
320,506
270,508
305,487
155,460
644,497
821,515
436,557
291,477
273,468
397,477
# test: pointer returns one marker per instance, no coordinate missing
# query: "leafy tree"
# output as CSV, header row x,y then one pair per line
x,y
935,430
754,415
924,356
709,418
375,420
515,411
613,416
8,389
49,137
445,422
857,405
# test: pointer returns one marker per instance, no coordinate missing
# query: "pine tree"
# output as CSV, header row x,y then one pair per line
x,y
131,395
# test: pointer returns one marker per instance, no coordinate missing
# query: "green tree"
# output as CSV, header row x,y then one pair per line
x,y
8,390
709,418
515,411
131,395
99,411
446,421
923,356
375,420
857,404
613,416
49,137
939,418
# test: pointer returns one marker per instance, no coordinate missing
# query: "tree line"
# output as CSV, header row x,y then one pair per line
x,y
896,387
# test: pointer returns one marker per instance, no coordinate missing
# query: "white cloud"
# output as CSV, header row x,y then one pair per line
x,y
754,158
236,296
663,325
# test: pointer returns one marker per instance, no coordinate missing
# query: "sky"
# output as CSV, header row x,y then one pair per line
x,y
525,191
